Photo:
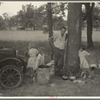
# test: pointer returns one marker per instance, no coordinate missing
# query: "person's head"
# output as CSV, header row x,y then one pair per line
x,y
63,30
41,50
31,45
82,47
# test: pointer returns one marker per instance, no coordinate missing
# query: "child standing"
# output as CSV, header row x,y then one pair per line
x,y
83,62
33,52
40,57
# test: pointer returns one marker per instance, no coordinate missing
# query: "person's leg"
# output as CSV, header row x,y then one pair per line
x,y
61,62
31,71
56,60
34,75
85,73
91,72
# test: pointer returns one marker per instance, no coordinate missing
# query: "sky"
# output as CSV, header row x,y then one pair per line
x,y
13,7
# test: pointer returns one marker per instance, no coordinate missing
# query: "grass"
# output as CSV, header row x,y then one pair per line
x,y
23,36
22,46
21,39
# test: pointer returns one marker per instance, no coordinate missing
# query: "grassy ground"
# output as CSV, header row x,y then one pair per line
x,y
21,39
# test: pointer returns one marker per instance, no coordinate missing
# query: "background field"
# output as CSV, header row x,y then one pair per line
x,y
21,39
37,35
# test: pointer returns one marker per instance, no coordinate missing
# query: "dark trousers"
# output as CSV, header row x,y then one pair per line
x,y
58,61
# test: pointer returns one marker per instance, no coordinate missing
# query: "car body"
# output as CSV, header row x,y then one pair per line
x,y
12,68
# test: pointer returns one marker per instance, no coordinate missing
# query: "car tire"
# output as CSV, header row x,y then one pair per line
x,y
11,77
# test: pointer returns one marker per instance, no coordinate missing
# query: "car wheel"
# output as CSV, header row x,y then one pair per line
x,y
10,77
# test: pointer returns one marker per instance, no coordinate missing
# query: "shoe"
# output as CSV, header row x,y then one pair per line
x,y
64,77
72,78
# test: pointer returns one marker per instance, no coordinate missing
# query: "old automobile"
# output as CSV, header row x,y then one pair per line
x,y
12,68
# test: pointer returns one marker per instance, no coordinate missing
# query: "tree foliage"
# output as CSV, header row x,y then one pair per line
x,y
96,17
1,23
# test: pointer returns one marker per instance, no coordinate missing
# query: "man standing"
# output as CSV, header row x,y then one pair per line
x,y
58,43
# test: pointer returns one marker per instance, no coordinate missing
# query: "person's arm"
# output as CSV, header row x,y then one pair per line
x,y
26,53
87,53
51,40
37,61
37,64
66,37
29,52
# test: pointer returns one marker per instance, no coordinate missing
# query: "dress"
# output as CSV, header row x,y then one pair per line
x,y
32,59
83,61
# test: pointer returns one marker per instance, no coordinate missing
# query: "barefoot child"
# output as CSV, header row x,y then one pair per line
x,y
83,62
33,52
40,57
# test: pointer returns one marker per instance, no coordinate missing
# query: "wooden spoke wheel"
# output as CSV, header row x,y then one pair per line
x,y
10,77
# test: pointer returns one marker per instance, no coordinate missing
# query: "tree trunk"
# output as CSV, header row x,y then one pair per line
x,y
34,28
89,31
89,25
49,16
74,38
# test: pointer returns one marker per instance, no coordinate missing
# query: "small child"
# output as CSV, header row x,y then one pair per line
x,y
33,52
83,62
40,57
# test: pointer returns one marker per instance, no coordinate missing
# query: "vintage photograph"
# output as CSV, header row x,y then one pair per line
x,y
49,49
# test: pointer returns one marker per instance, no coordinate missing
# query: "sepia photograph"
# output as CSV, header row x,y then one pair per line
x,y
49,49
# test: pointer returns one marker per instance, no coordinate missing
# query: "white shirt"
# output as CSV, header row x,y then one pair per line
x,y
59,41
40,60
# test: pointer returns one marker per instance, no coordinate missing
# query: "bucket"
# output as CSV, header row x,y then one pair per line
x,y
43,75
51,64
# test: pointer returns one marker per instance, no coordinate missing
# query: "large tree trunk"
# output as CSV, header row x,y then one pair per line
x,y
74,39
49,16
89,10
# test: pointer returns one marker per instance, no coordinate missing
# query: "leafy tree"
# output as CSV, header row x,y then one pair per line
x,y
31,16
1,23
6,21
13,20
58,22
24,16
58,10
96,17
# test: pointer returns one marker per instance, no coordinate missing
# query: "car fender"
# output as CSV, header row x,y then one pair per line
x,y
8,61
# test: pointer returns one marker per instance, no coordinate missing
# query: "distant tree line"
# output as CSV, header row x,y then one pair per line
x,y
33,18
